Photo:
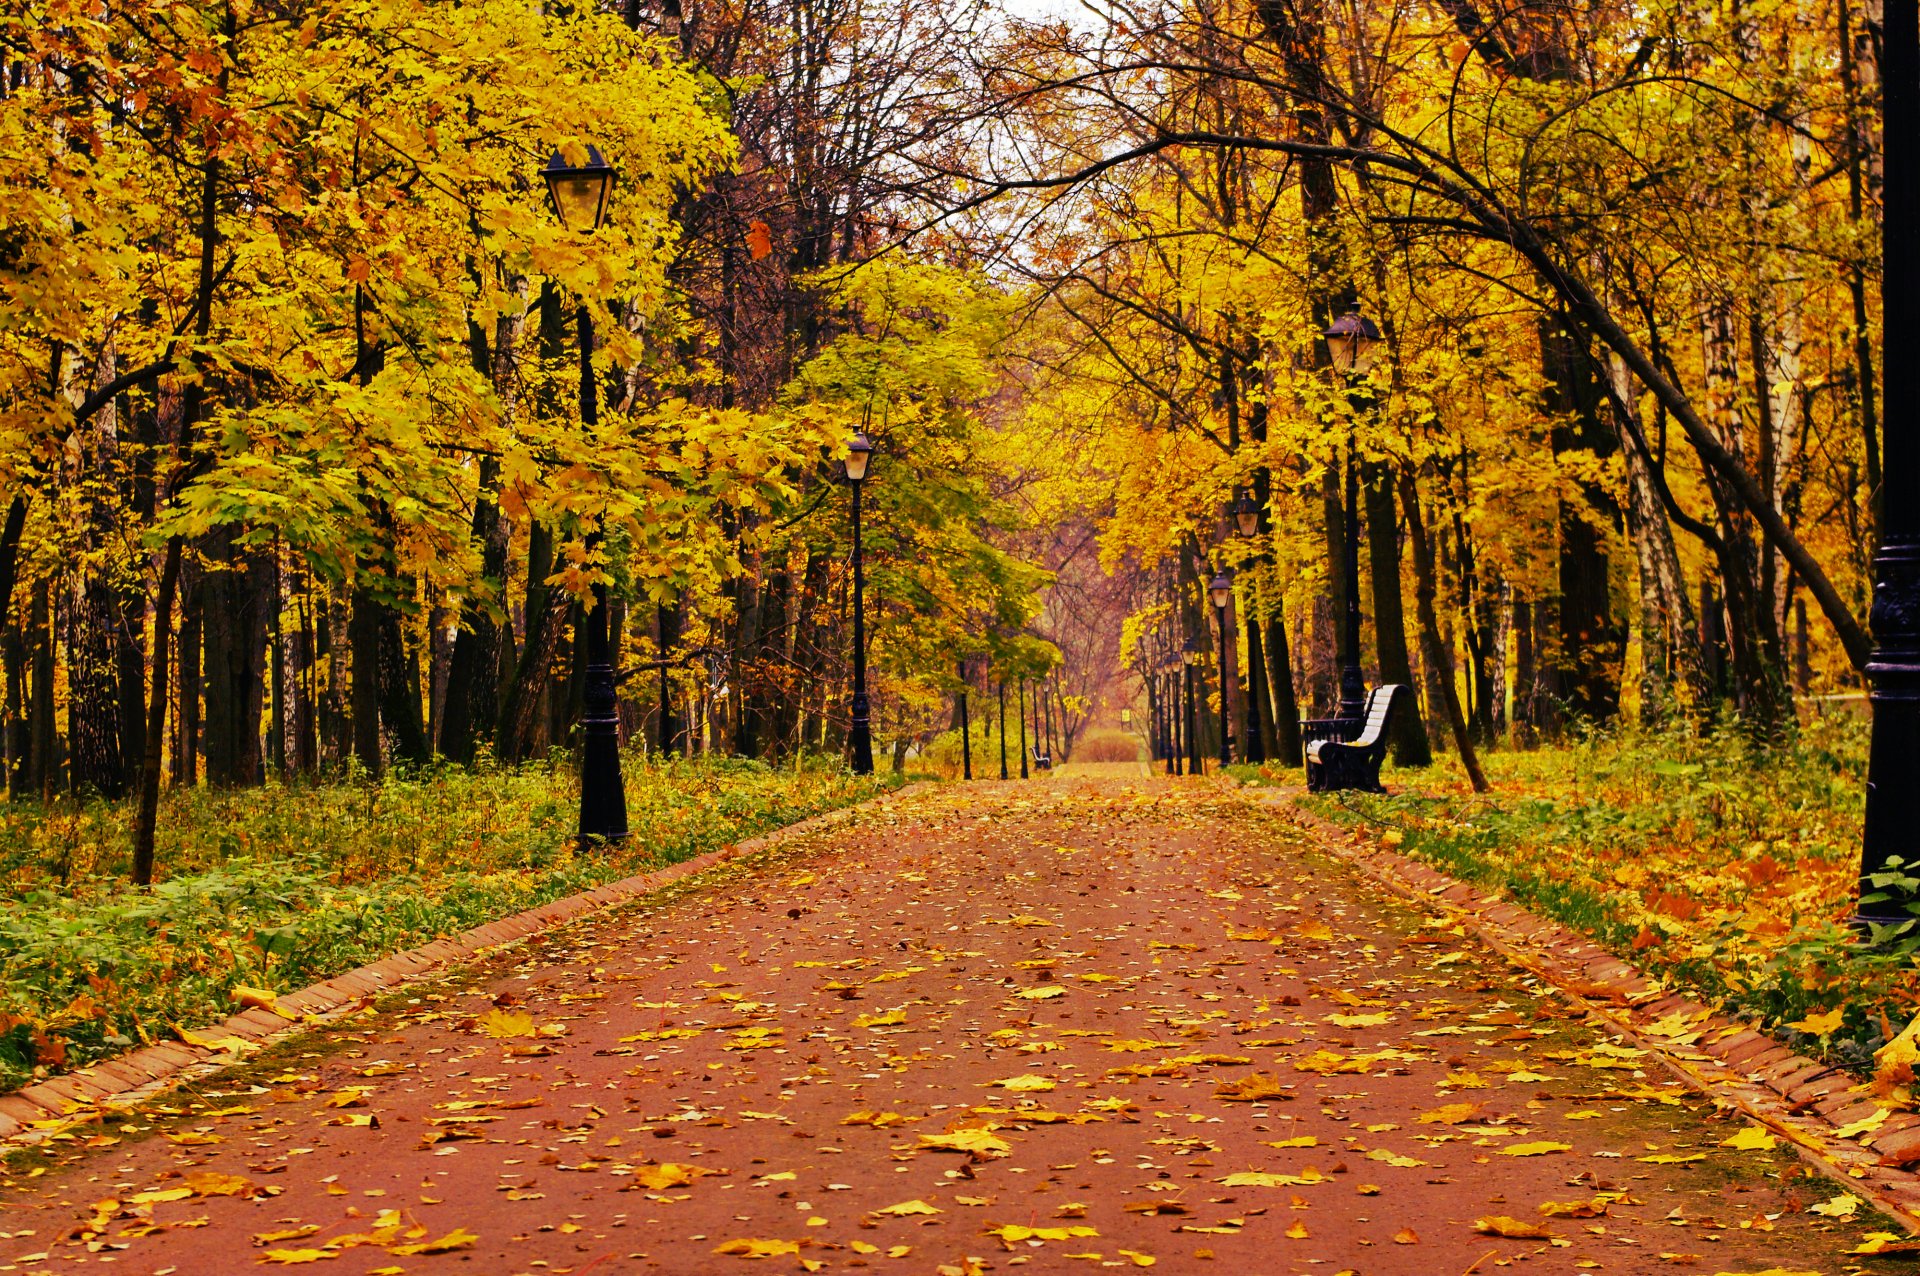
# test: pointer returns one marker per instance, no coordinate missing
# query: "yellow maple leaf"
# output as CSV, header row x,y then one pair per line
x,y
1391,1158
1251,1089
759,1249
1313,930
666,1174
1843,1206
259,999
1752,1139
1302,1141
1450,1113
1265,1178
1297,1231
1042,993
293,1256
909,1207
975,1142
1013,1232
1534,1149
506,1023
1674,1158
884,1019
878,1120
1512,1228
1865,1125
1820,1025
458,1238
1026,1083
1360,1021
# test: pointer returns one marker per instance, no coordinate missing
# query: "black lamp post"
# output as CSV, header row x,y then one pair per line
x,y
1893,797
860,735
1221,591
1352,343
580,194
966,728
1246,523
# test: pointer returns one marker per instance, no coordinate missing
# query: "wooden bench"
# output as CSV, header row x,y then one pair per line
x,y
1042,761
1344,753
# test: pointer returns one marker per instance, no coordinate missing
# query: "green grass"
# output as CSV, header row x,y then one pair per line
x,y
1713,862
287,885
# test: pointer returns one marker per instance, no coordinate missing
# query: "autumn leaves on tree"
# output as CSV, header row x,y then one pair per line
x,y
294,481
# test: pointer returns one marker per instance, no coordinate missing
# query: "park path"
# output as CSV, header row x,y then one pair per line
x,y
1077,1024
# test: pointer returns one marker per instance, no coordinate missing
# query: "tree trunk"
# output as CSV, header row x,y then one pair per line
x,y
1439,660
97,765
186,740
1410,746
400,690
1592,645
363,651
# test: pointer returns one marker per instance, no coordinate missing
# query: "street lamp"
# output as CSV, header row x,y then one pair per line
x,y
966,728
1246,514
1221,588
1353,342
859,451
1893,799
1246,522
580,194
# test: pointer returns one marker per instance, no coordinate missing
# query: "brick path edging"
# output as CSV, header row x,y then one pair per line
x,y
40,1109
1736,1064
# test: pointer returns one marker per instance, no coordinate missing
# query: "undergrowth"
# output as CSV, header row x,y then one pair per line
x,y
286,885
1710,861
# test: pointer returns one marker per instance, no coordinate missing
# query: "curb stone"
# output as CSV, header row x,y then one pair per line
x,y
33,1113
1736,1064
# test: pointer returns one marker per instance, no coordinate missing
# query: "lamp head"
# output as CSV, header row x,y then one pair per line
x,y
1246,514
859,450
1353,342
580,192
1221,588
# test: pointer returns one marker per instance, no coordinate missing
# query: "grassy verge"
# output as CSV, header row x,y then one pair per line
x,y
1709,861
283,886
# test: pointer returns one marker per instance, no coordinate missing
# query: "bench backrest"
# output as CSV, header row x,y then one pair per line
x,y
1379,705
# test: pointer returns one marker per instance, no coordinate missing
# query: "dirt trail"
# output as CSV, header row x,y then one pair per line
x,y
1075,1024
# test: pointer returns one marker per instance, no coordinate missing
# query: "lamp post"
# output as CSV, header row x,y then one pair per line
x,y
1246,523
580,194
1221,590
860,734
1893,799
1352,343
966,729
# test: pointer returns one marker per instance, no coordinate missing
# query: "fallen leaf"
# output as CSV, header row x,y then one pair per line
x,y
1013,1232
759,1249
1534,1149
1451,1113
1843,1206
1752,1139
1512,1228
976,1142
909,1207
458,1238
506,1023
